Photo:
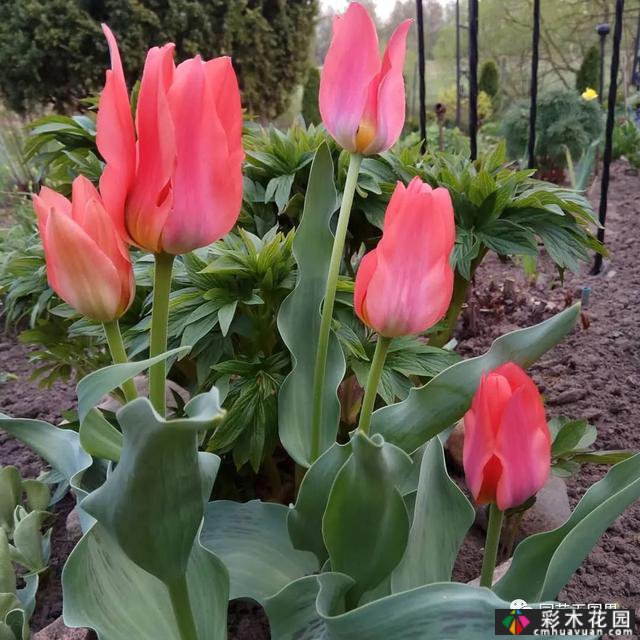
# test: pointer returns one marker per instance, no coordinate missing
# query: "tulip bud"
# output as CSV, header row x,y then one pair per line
x,y
174,181
88,264
507,444
362,99
404,286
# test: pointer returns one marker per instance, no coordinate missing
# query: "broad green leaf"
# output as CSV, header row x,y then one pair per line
x,y
99,437
148,503
10,495
252,541
305,519
366,524
38,494
572,435
99,383
7,574
31,546
434,540
105,591
59,447
312,608
430,409
299,322
543,563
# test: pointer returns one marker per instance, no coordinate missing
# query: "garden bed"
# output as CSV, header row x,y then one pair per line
x,y
594,374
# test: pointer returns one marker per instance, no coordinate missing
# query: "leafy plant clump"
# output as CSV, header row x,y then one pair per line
x,y
565,120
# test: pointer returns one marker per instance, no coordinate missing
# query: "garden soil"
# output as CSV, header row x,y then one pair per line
x,y
594,374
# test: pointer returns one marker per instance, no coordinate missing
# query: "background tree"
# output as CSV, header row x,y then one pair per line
x,y
588,75
489,78
310,106
53,53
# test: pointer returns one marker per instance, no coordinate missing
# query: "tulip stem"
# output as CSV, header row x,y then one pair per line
x,y
371,390
159,322
119,356
491,546
320,369
179,594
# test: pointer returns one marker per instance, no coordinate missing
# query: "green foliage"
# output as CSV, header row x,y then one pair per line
x,y
489,79
564,120
626,141
310,105
53,52
588,75
572,447
447,97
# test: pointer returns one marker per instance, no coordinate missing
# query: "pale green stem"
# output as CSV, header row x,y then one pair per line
x,y
371,390
491,546
159,321
119,356
320,368
179,594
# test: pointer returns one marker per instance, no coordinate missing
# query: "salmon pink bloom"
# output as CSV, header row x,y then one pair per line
x,y
88,264
507,444
404,286
174,180
362,99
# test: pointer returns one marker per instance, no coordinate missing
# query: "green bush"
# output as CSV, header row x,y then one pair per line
x,y
489,79
626,141
564,120
310,105
52,52
588,75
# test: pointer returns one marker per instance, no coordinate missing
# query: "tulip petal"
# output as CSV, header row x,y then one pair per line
x,y
366,269
82,275
480,426
115,137
386,101
207,181
150,200
351,64
523,444
412,286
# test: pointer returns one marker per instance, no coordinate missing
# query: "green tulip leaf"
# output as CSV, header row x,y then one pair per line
x,y
31,546
305,519
543,563
299,322
430,409
434,540
93,387
312,608
252,541
105,591
38,494
366,524
61,448
99,437
148,502
10,495
7,574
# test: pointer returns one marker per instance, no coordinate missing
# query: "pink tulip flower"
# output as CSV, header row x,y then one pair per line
x,y
404,286
362,99
88,264
507,444
174,180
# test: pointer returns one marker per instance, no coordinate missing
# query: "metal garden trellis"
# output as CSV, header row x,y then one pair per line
x,y
473,93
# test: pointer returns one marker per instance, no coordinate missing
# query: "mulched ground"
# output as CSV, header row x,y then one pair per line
x,y
594,373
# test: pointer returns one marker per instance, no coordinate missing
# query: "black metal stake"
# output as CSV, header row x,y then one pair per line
x,y
608,142
458,88
423,97
473,78
533,108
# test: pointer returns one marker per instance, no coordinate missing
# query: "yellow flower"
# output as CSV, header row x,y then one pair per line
x,y
589,94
